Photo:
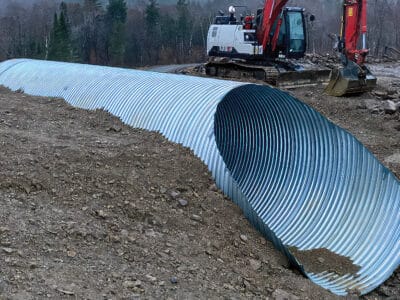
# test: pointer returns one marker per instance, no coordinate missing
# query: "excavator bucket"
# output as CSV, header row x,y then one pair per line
x,y
351,79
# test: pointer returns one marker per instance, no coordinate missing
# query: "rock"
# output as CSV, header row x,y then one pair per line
x,y
228,286
151,278
373,105
213,188
150,233
393,97
130,284
182,268
174,194
182,202
255,264
3,229
195,218
394,158
391,91
66,292
247,284
124,233
138,283
279,294
380,94
173,280
115,128
243,238
101,214
5,243
209,252
390,107
134,174
8,250
71,253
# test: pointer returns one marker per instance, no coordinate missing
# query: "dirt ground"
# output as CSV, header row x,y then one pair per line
x,y
93,209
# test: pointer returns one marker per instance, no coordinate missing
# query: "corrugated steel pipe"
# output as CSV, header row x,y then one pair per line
x,y
305,183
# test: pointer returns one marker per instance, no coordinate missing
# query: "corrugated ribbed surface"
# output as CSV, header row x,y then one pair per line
x,y
301,180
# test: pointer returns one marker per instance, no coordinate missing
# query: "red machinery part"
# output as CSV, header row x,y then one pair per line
x,y
355,22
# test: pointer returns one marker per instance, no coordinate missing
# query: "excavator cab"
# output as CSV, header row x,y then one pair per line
x,y
291,41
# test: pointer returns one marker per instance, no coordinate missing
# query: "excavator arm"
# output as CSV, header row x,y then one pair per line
x,y
355,24
353,77
272,9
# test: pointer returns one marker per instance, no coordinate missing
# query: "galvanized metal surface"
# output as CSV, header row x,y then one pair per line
x,y
300,179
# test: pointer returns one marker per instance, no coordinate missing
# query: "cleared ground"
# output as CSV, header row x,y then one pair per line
x,y
93,209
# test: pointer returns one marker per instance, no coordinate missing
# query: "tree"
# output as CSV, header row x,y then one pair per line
x,y
167,39
116,19
152,40
184,30
135,34
60,40
89,32
53,46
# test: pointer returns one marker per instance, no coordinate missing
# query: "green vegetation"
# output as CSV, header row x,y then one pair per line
x,y
60,39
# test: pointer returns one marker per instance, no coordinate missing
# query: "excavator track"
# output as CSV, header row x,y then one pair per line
x,y
275,75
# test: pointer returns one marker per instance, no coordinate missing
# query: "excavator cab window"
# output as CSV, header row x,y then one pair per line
x,y
291,40
282,34
249,37
259,18
221,20
295,23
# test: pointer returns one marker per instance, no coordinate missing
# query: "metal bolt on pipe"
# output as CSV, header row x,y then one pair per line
x,y
306,184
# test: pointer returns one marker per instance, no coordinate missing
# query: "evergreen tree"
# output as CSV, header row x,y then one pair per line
x,y
152,17
64,36
53,44
152,40
116,18
60,40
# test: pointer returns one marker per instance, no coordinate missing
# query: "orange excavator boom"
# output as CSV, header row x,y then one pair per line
x,y
272,9
354,77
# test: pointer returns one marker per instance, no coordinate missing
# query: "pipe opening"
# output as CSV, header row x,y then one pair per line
x,y
304,178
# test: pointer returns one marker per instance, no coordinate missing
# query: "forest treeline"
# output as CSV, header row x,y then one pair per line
x,y
150,33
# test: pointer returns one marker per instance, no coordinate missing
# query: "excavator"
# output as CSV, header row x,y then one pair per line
x,y
269,45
